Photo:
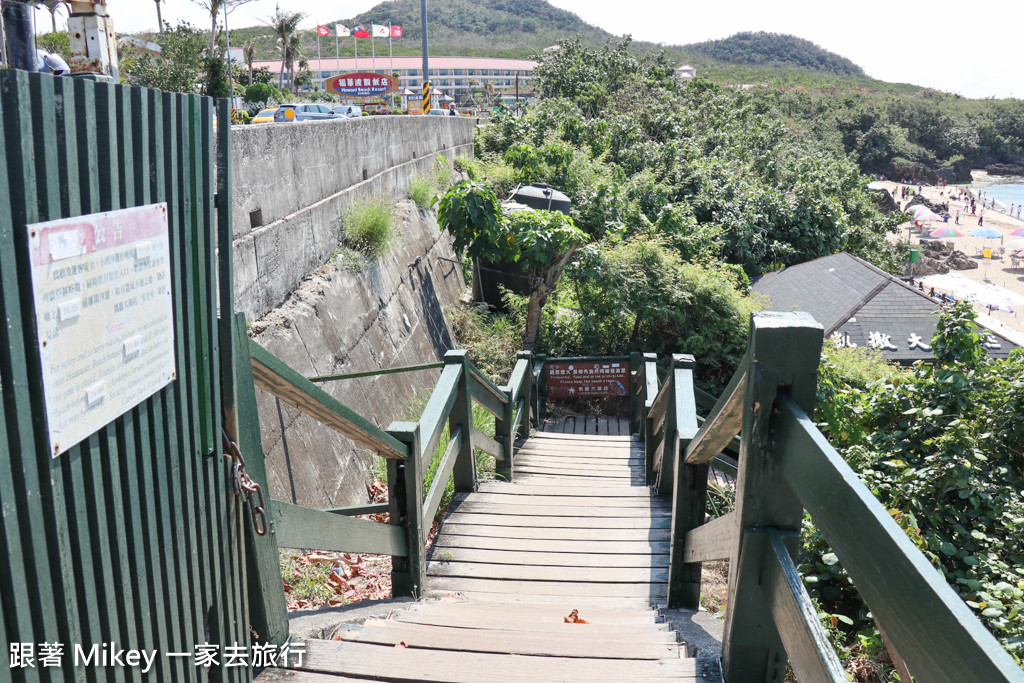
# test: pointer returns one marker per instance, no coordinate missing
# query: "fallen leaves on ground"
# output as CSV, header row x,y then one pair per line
x,y
574,618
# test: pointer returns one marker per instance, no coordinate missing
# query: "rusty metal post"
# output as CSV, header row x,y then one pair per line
x,y
93,43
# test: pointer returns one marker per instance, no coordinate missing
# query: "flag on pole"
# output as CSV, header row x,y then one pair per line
x,y
360,32
322,30
342,31
396,31
380,31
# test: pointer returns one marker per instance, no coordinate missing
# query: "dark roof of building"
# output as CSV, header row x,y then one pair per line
x,y
859,304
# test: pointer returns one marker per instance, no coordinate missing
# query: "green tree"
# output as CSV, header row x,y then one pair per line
x,y
216,81
542,242
178,68
285,24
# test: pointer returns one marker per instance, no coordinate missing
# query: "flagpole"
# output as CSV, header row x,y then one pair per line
x,y
355,41
391,49
373,49
337,48
319,75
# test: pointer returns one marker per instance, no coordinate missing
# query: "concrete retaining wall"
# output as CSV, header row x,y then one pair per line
x,y
291,183
341,319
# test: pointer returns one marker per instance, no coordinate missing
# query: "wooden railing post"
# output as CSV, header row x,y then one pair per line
x,y
538,389
689,485
504,432
464,472
636,373
526,393
783,357
645,425
405,499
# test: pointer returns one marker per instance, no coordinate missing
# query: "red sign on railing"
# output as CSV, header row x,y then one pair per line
x,y
565,380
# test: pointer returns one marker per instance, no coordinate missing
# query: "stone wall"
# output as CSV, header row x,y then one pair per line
x,y
291,183
350,318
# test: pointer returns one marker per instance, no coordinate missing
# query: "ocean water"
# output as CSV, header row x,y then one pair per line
x,y
1005,194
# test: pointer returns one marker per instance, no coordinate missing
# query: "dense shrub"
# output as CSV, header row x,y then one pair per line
x,y
942,447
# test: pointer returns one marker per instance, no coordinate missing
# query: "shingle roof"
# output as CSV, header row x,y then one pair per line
x,y
861,305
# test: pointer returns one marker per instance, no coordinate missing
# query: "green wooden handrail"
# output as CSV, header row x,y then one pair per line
x,y
375,373
930,626
770,619
275,376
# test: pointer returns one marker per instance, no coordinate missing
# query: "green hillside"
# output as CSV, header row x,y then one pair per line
x,y
493,28
774,50
521,28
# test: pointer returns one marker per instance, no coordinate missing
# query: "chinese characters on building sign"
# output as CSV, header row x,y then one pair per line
x,y
360,86
587,379
104,318
883,342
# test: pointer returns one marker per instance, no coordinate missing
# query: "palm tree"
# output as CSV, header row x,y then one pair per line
x,y
292,54
284,25
249,55
214,7
159,18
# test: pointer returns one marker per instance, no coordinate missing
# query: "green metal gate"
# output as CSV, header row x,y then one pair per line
x,y
134,537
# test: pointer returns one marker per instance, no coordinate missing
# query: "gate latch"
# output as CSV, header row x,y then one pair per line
x,y
245,486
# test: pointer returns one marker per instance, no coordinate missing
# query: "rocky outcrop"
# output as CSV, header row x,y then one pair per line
x,y
884,201
936,258
958,172
936,207
913,173
1005,169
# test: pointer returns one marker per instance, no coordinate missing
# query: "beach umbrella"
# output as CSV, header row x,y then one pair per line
x,y
1015,245
928,216
920,209
999,307
987,233
945,231
1018,232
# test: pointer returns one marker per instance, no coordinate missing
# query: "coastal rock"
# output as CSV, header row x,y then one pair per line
x,y
912,173
884,201
928,266
1005,169
935,207
934,258
958,260
958,172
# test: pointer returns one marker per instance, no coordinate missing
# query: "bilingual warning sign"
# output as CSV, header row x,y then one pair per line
x,y
104,316
565,380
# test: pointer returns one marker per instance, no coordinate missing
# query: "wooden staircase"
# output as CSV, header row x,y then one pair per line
x,y
577,530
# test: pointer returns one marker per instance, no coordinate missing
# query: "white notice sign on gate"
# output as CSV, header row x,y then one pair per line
x,y
104,317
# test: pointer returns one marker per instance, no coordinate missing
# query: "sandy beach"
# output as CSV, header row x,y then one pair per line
x,y
996,281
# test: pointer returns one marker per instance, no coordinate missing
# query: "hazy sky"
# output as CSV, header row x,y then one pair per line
x,y
975,49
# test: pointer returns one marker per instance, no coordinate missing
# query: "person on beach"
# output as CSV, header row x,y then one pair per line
x,y
981,218
957,221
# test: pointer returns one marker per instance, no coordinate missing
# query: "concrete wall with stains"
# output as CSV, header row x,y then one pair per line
x,y
293,181
350,314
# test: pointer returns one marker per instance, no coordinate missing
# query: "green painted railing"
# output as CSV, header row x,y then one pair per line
x,y
787,467
408,448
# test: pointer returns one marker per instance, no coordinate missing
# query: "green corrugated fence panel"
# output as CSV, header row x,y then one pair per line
x,y
135,535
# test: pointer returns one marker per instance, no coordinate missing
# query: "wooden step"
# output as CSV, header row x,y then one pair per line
x,y
572,640
390,663
544,559
449,539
